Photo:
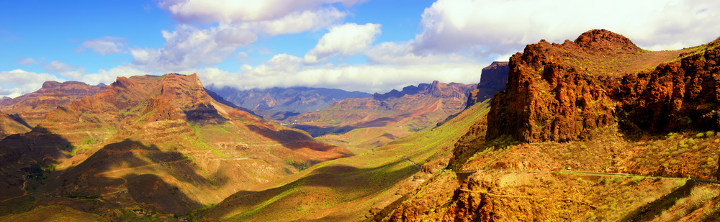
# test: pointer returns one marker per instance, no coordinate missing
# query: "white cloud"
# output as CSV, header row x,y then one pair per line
x,y
104,46
17,82
287,70
65,70
188,47
298,22
229,11
502,27
238,24
109,76
403,54
347,39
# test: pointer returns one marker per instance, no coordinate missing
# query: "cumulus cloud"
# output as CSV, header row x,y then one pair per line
x,y
17,82
104,46
229,11
502,27
237,24
403,54
287,70
63,69
345,40
298,22
108,76
189,46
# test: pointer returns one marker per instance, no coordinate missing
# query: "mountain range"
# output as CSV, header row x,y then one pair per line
x,y
595,129
280,103
374,121
159,142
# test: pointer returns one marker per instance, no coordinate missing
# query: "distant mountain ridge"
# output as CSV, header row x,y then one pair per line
x,y
32,107
382,118
279,103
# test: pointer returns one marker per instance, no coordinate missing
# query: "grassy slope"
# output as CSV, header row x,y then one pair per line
x,y
53,213
345,189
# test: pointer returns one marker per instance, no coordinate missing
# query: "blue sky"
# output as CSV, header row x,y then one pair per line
x,y
365,45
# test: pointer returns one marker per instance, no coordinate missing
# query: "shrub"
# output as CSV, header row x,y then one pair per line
x,y
710,133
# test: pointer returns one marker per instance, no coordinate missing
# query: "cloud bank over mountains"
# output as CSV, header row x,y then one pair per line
x,y
457,38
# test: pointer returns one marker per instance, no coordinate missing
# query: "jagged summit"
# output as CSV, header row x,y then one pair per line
x,y
561,92
436,89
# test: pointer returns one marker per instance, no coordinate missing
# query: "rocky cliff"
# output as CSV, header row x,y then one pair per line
x,y
492,79
561,92
575,122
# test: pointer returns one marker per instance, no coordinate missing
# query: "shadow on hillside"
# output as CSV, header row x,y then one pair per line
x,y
24,159
205,114
291,139
20,120
316,131
138,169
350,182
653,209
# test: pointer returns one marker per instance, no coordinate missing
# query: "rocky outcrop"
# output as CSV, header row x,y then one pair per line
x,y
492,80
684,94
561,92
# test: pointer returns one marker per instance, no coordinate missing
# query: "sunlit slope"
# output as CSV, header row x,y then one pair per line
x,y
349,188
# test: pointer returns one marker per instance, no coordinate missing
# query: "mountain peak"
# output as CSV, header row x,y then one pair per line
x,y
604,39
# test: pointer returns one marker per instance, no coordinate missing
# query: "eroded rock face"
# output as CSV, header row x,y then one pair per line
x,y
493,79
679,95
561,92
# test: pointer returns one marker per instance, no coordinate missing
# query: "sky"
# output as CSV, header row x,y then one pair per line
x,y
359,45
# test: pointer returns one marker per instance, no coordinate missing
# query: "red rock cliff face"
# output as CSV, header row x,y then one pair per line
x,y
683,94
493,79
561,92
